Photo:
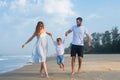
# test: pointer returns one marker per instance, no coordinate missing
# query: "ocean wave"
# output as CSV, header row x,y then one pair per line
x,y
2,59
12,62
16,56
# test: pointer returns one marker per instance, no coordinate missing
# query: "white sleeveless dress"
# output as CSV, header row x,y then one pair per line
x,y
40,49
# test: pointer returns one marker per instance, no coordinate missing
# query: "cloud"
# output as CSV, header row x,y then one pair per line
x,y
51,7
22,2
93,16
18,18
3,3
60,7
21,13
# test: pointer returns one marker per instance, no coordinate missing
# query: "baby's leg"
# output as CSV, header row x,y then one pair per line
x,y
62,62
60,66
59,62
63,67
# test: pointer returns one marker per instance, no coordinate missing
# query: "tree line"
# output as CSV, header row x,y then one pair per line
x,y
107,42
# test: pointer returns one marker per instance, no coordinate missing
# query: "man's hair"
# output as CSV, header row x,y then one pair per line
x,y
59,39
79,18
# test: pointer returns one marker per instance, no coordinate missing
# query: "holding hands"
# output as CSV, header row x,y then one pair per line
x,y
23,45
66,34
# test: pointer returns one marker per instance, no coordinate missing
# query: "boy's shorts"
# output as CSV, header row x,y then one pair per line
x,y
60,59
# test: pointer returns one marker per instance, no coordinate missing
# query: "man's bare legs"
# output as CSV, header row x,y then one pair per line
x,y
73,64
79,64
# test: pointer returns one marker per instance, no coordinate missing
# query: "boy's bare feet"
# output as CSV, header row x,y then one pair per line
x,y
60,66
63,69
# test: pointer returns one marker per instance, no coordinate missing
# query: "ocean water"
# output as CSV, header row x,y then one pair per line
x,y
12,62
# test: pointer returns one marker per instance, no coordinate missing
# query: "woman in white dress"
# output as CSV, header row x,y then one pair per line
x,y
40,49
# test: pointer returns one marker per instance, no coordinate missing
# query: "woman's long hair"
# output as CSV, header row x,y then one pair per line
x,y
39,27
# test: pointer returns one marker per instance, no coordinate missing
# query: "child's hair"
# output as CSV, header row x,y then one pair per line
x,y
59,39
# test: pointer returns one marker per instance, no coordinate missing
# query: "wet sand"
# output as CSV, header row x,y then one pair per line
x,y
94,67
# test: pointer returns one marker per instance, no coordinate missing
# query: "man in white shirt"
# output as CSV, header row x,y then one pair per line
x,y
79,32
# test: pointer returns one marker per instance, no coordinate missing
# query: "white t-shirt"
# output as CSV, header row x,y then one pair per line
x,y
79,33
59,48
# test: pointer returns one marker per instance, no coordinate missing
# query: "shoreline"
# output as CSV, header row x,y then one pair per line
x,y
50,58
25,64
94,67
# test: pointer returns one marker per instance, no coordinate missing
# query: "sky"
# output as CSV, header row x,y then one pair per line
x,y
18,19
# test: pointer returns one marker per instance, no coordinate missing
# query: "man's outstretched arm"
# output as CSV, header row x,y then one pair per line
x,y
69,31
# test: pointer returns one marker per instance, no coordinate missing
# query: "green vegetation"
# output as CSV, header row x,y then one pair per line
x,y
107,42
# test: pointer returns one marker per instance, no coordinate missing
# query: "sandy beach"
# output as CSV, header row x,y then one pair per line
x,y
94,67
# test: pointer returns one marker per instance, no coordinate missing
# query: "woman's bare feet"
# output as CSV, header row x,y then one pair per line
x,y
47,76
72,73
41,75
44,75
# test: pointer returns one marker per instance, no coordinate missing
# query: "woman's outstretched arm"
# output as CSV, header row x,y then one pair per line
x,y
48,33
54,42
30,39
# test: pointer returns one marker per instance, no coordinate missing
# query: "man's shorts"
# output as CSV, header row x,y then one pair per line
x,y
76,49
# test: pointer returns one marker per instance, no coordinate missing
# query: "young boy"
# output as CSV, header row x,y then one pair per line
x,y
59,44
